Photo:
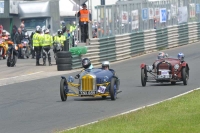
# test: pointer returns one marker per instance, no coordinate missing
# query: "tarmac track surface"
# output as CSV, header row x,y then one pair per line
x,y
35,106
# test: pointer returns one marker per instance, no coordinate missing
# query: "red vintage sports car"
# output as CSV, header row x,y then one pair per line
x,y
165,70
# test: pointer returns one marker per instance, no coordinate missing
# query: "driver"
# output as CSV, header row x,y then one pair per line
x,y
162,55
105,65
181,56
86,64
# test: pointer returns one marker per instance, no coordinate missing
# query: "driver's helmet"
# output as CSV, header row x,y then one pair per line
x,y
59,32
86,63
46,31
26,35
180,56
38,29
105,64
4,33
161,55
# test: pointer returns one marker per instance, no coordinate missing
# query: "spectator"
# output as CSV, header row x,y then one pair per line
x,y
18,38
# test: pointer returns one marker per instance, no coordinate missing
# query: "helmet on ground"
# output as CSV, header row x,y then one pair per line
x,y
105,64
161,55
180,56
59,32
46,31
86,63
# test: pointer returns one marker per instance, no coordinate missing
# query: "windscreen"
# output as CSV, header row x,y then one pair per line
x,y
33,22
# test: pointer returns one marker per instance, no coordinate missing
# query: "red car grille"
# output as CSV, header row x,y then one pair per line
x,y
164,66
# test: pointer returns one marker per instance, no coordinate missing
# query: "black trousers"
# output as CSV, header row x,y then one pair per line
x,y
46,53
84,32
38,52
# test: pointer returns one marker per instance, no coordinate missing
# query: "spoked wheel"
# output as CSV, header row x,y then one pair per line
x,y
62,90
113,92
185,75
143,77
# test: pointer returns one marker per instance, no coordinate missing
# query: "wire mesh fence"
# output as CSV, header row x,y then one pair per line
x,y
130,16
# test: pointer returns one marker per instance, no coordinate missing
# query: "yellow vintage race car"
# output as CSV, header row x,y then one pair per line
x,y
91,83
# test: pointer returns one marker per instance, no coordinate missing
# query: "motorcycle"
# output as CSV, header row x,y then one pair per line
x,y
25,48
3,49
57,47
12,55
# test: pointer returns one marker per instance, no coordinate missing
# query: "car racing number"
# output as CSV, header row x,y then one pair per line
x,y
87,92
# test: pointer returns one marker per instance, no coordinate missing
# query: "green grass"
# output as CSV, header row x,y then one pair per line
x,y
180,115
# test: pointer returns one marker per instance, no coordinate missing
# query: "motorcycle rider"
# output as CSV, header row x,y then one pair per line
x,y
46,44
37,44
86,64
59,38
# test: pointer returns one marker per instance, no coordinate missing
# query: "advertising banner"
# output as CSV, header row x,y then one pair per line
x,y
163,15
1,6
197,8
192,10
124,17
182,14
135,19
151,13
144,13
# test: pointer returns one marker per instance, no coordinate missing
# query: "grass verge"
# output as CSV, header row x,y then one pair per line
x,y
179,115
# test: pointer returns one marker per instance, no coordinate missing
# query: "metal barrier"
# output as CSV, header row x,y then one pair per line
x,y
133,16
126,46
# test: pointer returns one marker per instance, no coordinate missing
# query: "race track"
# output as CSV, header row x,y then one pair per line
x,y
35,106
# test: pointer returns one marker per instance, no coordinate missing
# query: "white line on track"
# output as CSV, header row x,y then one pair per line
x,y
133,110
21,75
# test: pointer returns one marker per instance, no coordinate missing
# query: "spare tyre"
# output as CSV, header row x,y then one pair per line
x,y
64,67
63,54
64,61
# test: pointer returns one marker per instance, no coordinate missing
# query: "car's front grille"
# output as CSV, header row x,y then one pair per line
x,y
87,83
164,66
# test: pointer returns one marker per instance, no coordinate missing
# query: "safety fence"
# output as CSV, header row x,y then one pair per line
x,y
137,15
125,46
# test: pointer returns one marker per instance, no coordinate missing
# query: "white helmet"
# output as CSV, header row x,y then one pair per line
x,y
46,31
105,63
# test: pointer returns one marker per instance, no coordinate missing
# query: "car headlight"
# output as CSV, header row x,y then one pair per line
x,y
70,79
149,68
176,67
105,79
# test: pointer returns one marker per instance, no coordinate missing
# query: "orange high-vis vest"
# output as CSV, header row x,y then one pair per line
x,y
84,15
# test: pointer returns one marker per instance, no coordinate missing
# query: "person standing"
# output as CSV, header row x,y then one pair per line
x,y
84,19
47,42
37,44
18,39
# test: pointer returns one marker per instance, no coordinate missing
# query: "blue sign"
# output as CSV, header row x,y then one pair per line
x,y
144,13
197,8
1,6
163,15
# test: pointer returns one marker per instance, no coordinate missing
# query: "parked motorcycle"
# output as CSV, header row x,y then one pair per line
x,y
12,55
25,48
3,49
57,47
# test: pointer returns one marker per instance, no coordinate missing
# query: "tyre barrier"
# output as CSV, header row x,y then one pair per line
x,y
64,61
